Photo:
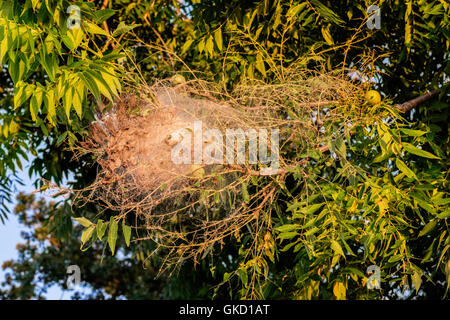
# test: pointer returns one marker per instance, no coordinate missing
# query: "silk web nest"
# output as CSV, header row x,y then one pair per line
x,y
187,209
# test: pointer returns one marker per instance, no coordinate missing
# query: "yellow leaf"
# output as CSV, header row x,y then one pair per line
x,y
94,29
327,35
337,248
87,233
68,101
354,207
201,45
218,38
339,291
382,206
260,65
77,100
210,45
5,130
49,101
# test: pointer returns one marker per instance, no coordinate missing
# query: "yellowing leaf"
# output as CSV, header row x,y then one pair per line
x,y
260,65
416,280
86,235
22,93
101,228
218,38
84,222
94,29
428,227
210,45
35,104
418,152
327,36
186,45
76,35
49,101
339,291
68,96
404,168
337,248
201,45
101,85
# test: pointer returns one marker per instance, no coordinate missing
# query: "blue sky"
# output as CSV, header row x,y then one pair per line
x,y
10,235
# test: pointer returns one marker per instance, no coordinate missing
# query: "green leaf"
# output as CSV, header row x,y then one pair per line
x,y
287,235
111,81
22,93
340,147
123,28
226,276
442,202
90,84
260,64
351,270
17,69
77,99
413,133
327,13
201,45
84,222
218,39
404,168
61,138
76,35
68,42
186,46
126,234
86,235
418,152
444,214
67,99
101,84
287,227
210,45
312,208
94,29
101,228
103,15
244,276
4,47
327,36
36,102
428,227
245,194
337,248
50,103
416,280
112,234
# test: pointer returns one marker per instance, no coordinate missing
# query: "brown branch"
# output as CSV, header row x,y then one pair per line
x,y
408,105
106,28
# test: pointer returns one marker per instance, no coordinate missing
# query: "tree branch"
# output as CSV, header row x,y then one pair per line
x,y
408,105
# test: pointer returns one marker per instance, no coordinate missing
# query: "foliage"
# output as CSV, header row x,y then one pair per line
x,y
379,197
